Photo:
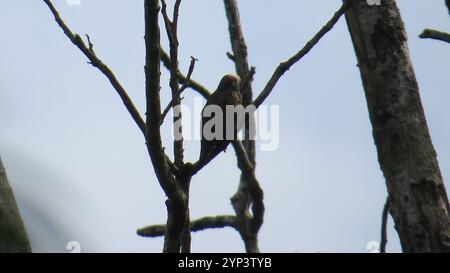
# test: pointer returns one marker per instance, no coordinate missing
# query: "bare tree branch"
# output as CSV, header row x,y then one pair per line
x,y
285,66
179,214
88,51
230,56
220,221
176,196
249,192
435,34
256,193
239,57
203,91
167,23
152,79
238,46
384,219
183,87
172,33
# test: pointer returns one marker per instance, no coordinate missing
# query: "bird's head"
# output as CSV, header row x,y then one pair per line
x,y
230,82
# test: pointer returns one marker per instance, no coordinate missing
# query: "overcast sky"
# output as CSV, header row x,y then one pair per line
x,y
78,164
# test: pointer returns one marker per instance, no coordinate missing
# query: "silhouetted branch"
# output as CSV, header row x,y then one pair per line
x,y
436,35
165,59
249,192
168,23
239,55
196,225
256,193
384,220
178,214
230,56
88,51
183,87
176,196
172,34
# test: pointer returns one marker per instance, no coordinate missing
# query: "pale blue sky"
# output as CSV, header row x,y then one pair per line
x,y
79,166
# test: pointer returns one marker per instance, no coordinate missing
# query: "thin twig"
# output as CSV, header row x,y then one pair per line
x,y
384,219
189,74
178,212
202,90
183,87
175,16
167,22
196,225
230,56
285,66
96,62
172,33
91,46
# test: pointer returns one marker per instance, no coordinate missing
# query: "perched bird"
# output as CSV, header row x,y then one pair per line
x,y
227,93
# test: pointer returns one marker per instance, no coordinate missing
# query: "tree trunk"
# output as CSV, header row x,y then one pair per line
x,y
418,200
13,237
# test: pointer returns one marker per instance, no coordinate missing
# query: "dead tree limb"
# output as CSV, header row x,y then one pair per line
x,y
435,35
384,220
182,79
172,34
176,196
213,222
185,85
245,151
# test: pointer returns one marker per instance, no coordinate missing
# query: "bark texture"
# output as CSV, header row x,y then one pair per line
x,y
13,237
418,199
177,210
249,193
